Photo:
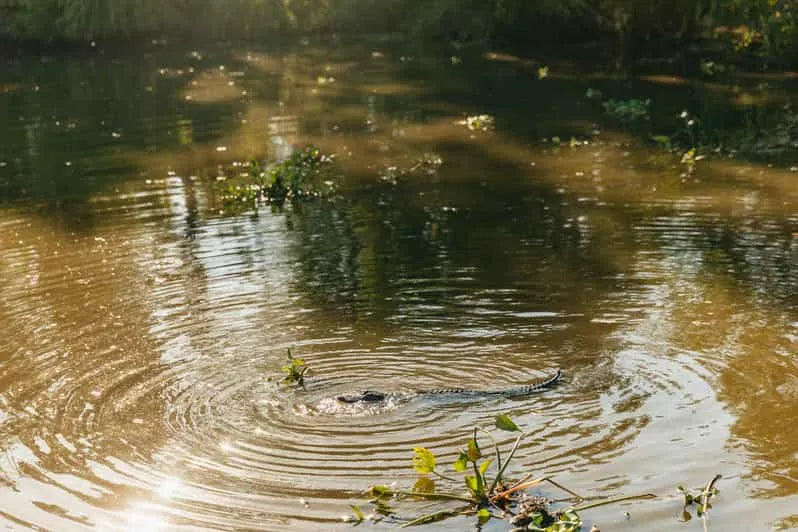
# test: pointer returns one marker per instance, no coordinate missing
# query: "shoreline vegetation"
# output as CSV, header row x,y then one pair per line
x,y
751,31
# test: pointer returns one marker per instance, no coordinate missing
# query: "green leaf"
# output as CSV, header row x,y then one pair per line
x,y
538,519
484,467
483,516
358,514
474,453
662,139
503,422
461,464
424,485
424,460
476,485
380,491
472,484
543,72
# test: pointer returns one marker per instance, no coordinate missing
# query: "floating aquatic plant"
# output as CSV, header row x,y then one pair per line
x,y
427,164
489,492
295,371
484,123
304,175
700,499
627,111
543,72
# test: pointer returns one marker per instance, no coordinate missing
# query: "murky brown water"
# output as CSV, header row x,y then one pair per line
x,y
140,325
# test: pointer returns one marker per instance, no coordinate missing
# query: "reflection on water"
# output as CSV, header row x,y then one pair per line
x,y
143,329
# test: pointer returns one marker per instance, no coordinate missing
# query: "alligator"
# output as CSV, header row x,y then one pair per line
x,y
370,396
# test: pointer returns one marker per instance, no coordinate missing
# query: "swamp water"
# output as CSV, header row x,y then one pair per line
x,y
141,322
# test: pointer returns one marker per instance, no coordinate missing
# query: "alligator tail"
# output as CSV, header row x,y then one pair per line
x,y
532,388
520,390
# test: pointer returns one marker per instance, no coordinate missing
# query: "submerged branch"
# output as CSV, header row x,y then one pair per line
x,y
613,501
435,496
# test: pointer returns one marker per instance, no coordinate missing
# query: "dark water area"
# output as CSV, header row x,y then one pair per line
x,y
144,322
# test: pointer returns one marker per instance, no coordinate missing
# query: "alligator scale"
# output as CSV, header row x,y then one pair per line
x,y
370,396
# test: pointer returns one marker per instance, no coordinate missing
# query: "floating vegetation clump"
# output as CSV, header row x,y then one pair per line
x,y
627,111
700,499
484,123
427,164
306,174
543,72
489,492
295,371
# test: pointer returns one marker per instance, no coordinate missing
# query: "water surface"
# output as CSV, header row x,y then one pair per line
x,y
144,324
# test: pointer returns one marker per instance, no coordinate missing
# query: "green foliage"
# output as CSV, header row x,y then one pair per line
x,y
359,517
424,485
84,19
664,141
295,371
535,513
769,27
297,177
627,111
700,499
91,19
482,123
304,175
543,72
503,422
486,492
423,461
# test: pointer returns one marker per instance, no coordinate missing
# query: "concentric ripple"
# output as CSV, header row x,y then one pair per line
x,y
156,390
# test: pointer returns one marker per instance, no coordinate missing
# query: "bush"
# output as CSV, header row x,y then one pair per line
x,y
769,27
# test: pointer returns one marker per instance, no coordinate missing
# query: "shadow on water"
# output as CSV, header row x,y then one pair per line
x,y
667,296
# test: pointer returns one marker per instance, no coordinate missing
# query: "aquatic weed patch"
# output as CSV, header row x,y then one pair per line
x,y
627,111
295,371
306,174
489,492
483,123
701,500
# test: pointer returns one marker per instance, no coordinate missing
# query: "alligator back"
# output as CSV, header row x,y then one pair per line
x,y
518,390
